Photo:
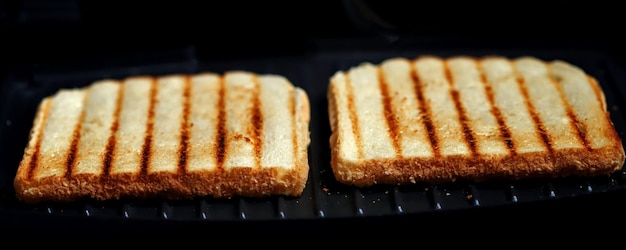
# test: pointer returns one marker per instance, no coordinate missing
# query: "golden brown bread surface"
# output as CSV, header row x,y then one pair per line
x,y
437,120
174,137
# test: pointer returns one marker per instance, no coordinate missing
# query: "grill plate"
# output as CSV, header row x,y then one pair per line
x,y
324,200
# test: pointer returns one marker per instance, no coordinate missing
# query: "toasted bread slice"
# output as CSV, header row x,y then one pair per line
x,y
437,120
174,137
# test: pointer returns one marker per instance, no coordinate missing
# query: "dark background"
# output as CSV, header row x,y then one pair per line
x,y
37,32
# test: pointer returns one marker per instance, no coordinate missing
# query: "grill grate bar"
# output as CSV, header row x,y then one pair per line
x,y
88,209
203,209
513,194
243,208
165,210
397,200
318,202
471,194
435,198
126,210
549,190
280,205
358,202
317,188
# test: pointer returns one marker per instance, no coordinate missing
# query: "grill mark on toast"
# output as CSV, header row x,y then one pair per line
x,y
463,119
71,154
34,160
220,149
110,147
390,117
424,110
504,129
577,125
539,126
353,117
147,144
294,123
184,127
256,126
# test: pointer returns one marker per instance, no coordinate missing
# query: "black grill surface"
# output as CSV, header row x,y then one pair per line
x,y
325,205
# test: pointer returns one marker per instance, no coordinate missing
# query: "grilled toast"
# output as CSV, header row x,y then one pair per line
x,y
436,120
174,137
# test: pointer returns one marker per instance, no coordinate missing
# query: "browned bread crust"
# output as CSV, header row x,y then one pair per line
x,y
174,137
437,120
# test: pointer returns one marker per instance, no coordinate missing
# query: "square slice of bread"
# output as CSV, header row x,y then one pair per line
x,y
436,120
175,137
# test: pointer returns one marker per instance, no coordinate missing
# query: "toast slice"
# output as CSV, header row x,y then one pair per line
x,y
437,120
174,137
